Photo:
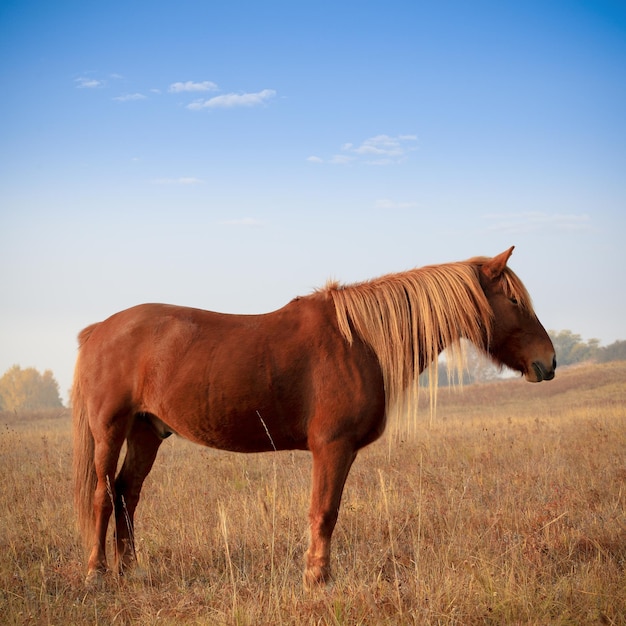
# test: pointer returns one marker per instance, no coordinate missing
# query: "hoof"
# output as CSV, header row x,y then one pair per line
x,y
316,576
94,579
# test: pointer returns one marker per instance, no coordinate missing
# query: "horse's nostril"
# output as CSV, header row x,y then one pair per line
x,y
553,363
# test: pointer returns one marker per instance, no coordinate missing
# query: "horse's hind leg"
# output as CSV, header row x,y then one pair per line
x,y
108,439
142,445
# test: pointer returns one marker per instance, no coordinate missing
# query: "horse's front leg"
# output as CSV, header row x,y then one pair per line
x,y
331,464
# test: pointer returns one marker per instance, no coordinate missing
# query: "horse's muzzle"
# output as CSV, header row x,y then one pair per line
x,y
542,372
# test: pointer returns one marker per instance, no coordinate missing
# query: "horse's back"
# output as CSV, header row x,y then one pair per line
x,y
222,380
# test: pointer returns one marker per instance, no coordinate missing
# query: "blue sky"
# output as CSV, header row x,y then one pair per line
x,y
230,155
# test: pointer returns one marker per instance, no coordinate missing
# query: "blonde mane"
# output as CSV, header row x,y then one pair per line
x,y
408,318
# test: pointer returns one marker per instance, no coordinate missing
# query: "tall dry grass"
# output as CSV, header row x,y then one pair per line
x,y
510,509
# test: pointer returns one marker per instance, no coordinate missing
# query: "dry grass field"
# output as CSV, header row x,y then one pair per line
x,y
509,509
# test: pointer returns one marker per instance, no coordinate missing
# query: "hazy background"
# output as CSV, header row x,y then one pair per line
x,y
230,155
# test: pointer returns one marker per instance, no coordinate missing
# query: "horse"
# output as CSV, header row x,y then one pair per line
x,y
319,374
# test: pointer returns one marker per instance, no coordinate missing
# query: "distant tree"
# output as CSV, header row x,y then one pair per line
x,y
570,348
27,389
478,368
613,352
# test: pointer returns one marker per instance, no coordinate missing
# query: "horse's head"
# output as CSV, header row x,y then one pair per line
x,y
518,340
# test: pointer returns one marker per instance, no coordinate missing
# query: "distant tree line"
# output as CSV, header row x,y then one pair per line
x,y
570,349
28,390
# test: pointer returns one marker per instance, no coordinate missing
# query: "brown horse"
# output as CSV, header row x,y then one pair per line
x,y
318,374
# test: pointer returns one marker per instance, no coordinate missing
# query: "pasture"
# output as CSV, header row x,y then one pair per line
x,y
510,508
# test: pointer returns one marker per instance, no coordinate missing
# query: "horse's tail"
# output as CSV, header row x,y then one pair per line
x,y
85,478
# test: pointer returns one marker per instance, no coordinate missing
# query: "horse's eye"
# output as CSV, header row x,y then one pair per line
x,y
513,300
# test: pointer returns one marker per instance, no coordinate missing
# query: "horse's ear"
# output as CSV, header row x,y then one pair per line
x,y
494,267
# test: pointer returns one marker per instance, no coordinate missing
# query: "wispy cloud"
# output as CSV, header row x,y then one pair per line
x,y
383,146
183,180
88,83
377,150
533,221
243,221
130,97
341,159
231,100
205,85
222,101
